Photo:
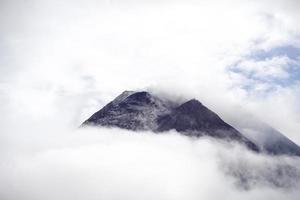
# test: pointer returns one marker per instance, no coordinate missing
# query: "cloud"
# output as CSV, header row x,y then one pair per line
x,y
112,164
276,67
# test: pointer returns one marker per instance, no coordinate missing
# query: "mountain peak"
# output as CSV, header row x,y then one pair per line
x,y
193,103
130,110
143,97
191,106
144,111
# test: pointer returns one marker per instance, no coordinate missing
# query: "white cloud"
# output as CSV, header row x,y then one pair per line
x,y
111,164
270,68
78,56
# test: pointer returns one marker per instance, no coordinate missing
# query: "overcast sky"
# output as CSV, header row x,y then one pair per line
x,y
69,58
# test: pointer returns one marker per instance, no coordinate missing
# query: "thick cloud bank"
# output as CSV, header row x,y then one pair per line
x,y
116,164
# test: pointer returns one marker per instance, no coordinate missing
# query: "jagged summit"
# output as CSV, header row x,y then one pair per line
x,y
144,111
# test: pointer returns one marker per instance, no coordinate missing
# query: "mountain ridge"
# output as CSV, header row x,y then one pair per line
x,y
142,111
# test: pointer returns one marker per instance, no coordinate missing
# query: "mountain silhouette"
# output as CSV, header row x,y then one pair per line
x,y
141,111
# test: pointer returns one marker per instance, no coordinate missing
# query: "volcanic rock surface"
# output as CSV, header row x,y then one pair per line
x,y
141,111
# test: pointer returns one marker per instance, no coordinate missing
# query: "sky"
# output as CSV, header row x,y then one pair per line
x,y
77,56
61,61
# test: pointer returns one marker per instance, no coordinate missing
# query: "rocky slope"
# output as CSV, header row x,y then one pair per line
x,y
143,111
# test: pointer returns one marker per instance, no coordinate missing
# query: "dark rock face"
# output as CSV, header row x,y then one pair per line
x,y
193,119
143,111
131,110
193,116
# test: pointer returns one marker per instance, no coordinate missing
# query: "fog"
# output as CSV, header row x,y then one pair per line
x,y
61,61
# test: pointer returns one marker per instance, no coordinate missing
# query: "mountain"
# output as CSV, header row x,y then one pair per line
x,y
267,138
131,110
143,111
